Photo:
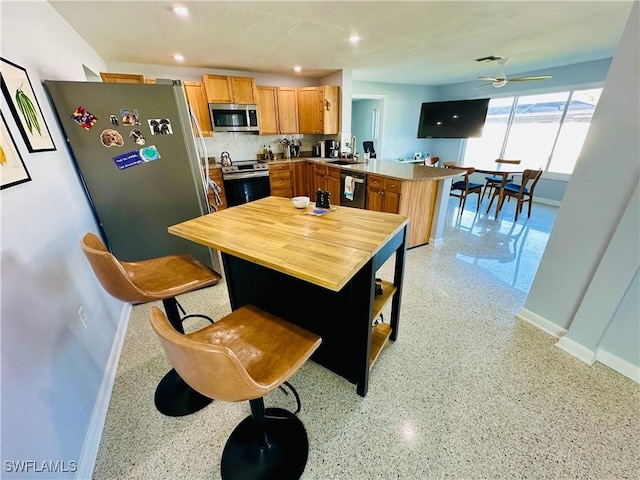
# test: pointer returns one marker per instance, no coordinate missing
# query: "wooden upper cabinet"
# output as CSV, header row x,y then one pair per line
x,y
287,109
224,89
267,110
309,110
277,110
319,109
197,99
122,77
244,90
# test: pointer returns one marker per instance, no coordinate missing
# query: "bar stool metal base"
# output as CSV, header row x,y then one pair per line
x,y
174,398
284,458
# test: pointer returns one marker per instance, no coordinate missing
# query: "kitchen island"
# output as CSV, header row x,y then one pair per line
x,y
316,272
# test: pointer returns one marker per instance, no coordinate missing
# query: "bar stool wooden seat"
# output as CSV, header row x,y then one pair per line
x,y
244,356
144,281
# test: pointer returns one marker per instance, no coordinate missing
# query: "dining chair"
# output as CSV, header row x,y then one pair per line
x,y
495,181
523,192
245,356
463,188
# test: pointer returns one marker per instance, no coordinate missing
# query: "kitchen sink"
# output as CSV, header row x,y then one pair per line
x,y
345,162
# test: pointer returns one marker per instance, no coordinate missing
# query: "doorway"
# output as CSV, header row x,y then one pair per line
x,y
367,121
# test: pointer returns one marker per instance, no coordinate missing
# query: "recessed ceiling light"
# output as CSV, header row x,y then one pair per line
x,y
178,57
181,11
297,68
354,38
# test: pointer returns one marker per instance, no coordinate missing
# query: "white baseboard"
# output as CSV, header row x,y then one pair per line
x,y
89,453
541,322
579,351
546,201
618,364
436,242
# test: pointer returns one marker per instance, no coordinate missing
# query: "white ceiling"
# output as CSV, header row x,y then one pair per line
x,y
417,42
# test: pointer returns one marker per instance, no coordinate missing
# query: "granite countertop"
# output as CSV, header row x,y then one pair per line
x,y
386,168
397,170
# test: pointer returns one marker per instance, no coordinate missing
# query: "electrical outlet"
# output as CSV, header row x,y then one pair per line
x,y
83,317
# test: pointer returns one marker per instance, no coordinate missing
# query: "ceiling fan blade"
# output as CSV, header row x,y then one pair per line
x,y
526,79
489,79
484,85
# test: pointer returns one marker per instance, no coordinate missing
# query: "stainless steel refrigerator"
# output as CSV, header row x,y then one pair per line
x,y
134,148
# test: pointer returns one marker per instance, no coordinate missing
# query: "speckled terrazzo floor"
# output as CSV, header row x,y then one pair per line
x,y
467,391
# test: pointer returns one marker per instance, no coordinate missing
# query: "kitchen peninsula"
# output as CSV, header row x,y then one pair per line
x,y
316,272
413,190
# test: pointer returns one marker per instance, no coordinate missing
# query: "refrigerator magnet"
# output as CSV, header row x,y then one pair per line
x,y
114,120
127,160
149,153
83,118
111,138
136,136
130,116
160,126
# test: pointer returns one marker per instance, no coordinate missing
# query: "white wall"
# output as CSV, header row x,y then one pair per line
x,y
399,119
51,366
593,252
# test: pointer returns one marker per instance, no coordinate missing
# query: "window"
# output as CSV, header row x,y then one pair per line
x,y
545,131
574,130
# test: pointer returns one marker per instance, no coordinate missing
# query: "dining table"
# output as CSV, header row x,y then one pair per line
x,y
504,169
316,269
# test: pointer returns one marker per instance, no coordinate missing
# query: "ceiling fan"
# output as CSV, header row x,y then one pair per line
x,y
501,80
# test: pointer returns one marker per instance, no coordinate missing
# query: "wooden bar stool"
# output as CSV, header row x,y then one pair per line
x,y
144,281
244,356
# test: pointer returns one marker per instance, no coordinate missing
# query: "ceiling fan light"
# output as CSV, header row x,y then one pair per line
x,y
499,83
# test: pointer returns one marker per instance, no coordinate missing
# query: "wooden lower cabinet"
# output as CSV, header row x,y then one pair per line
x,y
299,179
415,199
383,194
215,174
280,180
326,178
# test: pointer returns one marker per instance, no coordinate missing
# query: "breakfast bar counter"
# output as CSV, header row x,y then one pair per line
x,y
411,189
315,271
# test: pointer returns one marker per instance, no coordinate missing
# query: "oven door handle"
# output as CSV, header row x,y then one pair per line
x,y
244,175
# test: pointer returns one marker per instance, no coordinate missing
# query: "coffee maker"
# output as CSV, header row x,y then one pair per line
x,y
331,149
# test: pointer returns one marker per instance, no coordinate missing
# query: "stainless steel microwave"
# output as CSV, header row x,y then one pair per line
x,y
232,117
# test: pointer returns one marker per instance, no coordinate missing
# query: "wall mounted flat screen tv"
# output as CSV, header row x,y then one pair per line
x,y
454,119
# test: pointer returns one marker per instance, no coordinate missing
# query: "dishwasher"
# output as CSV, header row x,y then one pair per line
x,y
359,190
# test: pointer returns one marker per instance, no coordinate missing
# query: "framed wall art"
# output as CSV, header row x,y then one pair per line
x,y
12,169
24,107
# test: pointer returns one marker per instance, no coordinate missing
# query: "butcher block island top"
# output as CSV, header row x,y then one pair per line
x,y
326,250
318,272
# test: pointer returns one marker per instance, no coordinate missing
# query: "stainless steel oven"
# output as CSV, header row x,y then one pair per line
x,y
245,181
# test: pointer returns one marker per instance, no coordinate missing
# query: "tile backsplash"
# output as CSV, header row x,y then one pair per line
x,y
246,146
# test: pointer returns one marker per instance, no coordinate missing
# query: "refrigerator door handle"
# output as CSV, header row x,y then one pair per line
x,y
204,155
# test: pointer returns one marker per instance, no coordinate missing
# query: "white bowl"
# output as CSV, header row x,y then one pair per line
x,y
300,202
